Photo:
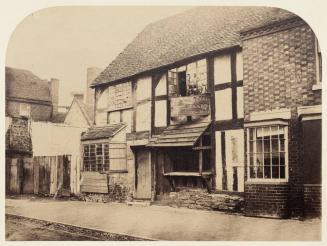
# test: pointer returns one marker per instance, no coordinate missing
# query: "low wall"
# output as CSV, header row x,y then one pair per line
x,y
201,199
266,200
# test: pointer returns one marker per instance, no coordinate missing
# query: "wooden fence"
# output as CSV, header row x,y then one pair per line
x,y
43,175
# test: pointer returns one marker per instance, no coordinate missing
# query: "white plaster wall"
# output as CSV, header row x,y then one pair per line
x,y
161,88
234,150
219,169
127,119
240,108
102,102
143,117
222,69
235,157
50,139
143,88
114,117
75,117
101,118
161,113
120,136
223,104
239,66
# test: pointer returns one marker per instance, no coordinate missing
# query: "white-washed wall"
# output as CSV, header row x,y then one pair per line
x,y
50,139
75,116
223,104
161,88
143,111
234,152
222,69
239,66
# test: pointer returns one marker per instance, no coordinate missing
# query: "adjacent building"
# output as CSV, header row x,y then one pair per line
x,y
215,100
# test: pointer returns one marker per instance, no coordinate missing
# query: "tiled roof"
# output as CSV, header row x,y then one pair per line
x,y
193,32
180,135
102,132
24,84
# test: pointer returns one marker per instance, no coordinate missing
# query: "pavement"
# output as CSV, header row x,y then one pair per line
x,y
165,223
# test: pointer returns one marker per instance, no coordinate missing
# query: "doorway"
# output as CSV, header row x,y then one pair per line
x,y
143,174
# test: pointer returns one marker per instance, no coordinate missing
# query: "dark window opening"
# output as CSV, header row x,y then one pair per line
x,y
182,83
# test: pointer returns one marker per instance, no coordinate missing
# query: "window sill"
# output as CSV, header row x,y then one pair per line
x,y
118,171
316,87
261,181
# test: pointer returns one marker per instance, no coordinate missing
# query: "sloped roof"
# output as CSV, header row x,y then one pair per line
x,y
24,84
83,108
193,32
102,132
180,135
58,118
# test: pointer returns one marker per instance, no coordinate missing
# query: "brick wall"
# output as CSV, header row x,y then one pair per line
x,y
279,72
312,200
39,112
268,200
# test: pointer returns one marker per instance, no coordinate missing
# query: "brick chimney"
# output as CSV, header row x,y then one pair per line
x,y
92,73
54,93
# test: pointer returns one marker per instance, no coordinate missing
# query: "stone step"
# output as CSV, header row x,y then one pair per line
x,y
141,203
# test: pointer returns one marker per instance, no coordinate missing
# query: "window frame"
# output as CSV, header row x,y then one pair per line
x,y
318,83
103,156
286,154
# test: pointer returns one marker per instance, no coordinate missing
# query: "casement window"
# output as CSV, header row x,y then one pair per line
x,y
24,110
188,80
102,157
267,153
96,157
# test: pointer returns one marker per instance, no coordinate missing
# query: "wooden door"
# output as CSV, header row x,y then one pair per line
x,y
143,174
28,176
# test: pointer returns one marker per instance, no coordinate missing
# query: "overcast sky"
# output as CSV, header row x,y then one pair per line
x,y
62,42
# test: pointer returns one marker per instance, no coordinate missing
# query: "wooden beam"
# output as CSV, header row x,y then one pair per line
x,y
200,156
211,90
234,85
134,105
168,100
223,159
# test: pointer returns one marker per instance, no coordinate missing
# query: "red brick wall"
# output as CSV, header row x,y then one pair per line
x,y
312,200
268,200
279,72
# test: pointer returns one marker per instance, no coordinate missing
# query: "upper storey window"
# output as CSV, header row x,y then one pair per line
x,y
188,80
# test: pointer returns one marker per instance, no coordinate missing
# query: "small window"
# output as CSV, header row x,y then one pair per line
x,y
267,153
115,117
96,157
24,110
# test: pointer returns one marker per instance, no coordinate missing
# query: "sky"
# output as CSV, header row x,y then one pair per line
x,y
62,42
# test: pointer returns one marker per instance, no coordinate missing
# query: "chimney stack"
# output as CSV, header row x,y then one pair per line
x,y
54,93
92,73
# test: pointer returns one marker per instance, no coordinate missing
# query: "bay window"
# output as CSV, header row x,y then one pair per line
x,y
267,152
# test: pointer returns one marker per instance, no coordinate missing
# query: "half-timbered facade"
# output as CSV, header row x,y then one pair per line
x,y
189,91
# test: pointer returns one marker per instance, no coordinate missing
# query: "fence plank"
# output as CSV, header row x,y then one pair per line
x,y
36,166
14,177
28,176
53,168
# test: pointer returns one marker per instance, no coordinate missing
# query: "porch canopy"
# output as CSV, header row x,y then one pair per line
x,y
181,135
102,132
